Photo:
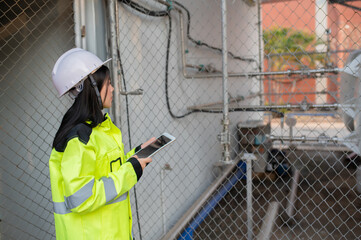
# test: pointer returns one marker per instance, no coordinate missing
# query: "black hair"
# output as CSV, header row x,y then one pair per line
x,y
86,107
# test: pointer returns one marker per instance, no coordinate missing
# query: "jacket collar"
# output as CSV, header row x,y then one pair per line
x,y
105,124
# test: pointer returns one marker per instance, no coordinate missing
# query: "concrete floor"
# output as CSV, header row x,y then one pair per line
x,y
327,207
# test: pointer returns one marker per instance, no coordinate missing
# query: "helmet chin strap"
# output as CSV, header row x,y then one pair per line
x,y
94,84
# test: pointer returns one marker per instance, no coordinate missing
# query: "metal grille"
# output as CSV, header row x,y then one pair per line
x,y
286,166
32,36
283,91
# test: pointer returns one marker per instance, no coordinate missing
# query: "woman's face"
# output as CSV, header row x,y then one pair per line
x,y
107,93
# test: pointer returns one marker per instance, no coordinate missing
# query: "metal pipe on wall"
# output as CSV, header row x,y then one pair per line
x,y
77,27
254,108
292,106
310,53
183,42
297,93
115,76
321,139
308,72
82,24
79,23
255,74
248,74
226,138
184,48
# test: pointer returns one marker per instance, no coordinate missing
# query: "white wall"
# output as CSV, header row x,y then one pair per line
x,y
143,42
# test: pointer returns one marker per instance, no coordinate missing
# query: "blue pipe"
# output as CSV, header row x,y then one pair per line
x,y
187,234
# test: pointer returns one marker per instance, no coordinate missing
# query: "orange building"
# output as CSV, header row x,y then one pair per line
x,y
336,25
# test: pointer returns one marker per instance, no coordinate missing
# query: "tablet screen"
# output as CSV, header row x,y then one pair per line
x,y
153,147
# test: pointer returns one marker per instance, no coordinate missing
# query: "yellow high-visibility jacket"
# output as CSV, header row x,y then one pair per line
x,y
90,183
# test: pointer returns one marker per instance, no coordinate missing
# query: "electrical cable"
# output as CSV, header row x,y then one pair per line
x,y
166,80
158,14
344,3
144,10
166,72
129,136
161,14
195,110
350,6
167,13
199,43
154,14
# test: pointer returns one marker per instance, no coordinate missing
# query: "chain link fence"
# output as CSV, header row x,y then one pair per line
x,y
293,161
33,34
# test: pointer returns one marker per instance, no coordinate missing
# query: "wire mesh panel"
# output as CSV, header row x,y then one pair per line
x,y
284,85
32,34
152,60
304,163
293,167
173,52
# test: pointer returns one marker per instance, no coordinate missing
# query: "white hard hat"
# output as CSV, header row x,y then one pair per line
x,y
74,66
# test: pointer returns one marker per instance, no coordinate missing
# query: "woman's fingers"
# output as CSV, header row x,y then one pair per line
x,y
148,142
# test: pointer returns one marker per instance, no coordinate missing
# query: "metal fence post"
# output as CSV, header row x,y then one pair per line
x,y
113,49
225,134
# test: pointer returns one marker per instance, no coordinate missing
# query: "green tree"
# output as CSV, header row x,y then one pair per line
x,y
290,41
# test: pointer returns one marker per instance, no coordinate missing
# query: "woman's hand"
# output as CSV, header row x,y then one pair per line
x,y
143,161
148,142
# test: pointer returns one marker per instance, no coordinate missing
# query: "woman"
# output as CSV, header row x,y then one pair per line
x,y
89,172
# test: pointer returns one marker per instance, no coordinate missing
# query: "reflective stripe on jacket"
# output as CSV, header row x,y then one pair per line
x,y
90,180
